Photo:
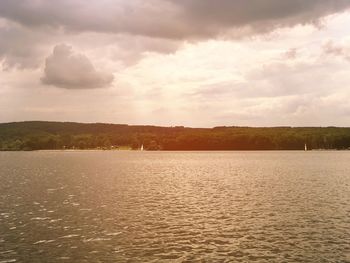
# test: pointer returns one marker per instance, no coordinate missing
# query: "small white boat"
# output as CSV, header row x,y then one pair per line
x,y
141,149
306,147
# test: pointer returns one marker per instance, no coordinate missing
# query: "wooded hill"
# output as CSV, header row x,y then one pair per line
x,y
65,135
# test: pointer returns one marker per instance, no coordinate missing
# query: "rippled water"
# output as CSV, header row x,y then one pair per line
x,y
175,207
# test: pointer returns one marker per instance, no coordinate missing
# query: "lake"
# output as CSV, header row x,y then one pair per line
x,y
174,206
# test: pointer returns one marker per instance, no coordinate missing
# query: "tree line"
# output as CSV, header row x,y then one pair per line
x,y
26,136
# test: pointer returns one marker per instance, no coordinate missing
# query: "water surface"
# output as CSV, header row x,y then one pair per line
x,y
175,207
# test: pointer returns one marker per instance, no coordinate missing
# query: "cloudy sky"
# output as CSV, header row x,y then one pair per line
x,y
176,62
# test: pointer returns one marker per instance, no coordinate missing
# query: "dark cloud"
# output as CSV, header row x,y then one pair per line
x,y
65,69
176,19
258,15
130,49
29,27
26,47
18,46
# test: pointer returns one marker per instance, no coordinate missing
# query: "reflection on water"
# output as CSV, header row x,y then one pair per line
x,y
175,207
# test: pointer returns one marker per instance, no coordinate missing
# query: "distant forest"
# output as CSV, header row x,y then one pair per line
x,y
26,136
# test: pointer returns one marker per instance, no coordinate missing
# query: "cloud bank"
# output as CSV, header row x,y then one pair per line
x,y
175,19
145,26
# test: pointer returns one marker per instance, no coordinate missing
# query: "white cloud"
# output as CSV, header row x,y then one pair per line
x,y
337,49
66,69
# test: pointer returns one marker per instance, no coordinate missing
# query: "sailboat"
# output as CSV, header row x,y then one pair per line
x,y
141,149
305,147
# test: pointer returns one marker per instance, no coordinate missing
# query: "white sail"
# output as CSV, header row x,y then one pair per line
x,y
141,147
305,147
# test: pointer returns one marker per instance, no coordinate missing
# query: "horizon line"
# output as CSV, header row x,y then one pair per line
x,y
174,126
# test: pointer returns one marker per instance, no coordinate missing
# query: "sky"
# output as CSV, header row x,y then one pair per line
x,y
196,63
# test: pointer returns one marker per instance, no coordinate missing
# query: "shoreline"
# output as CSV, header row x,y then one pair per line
x,y
130,150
